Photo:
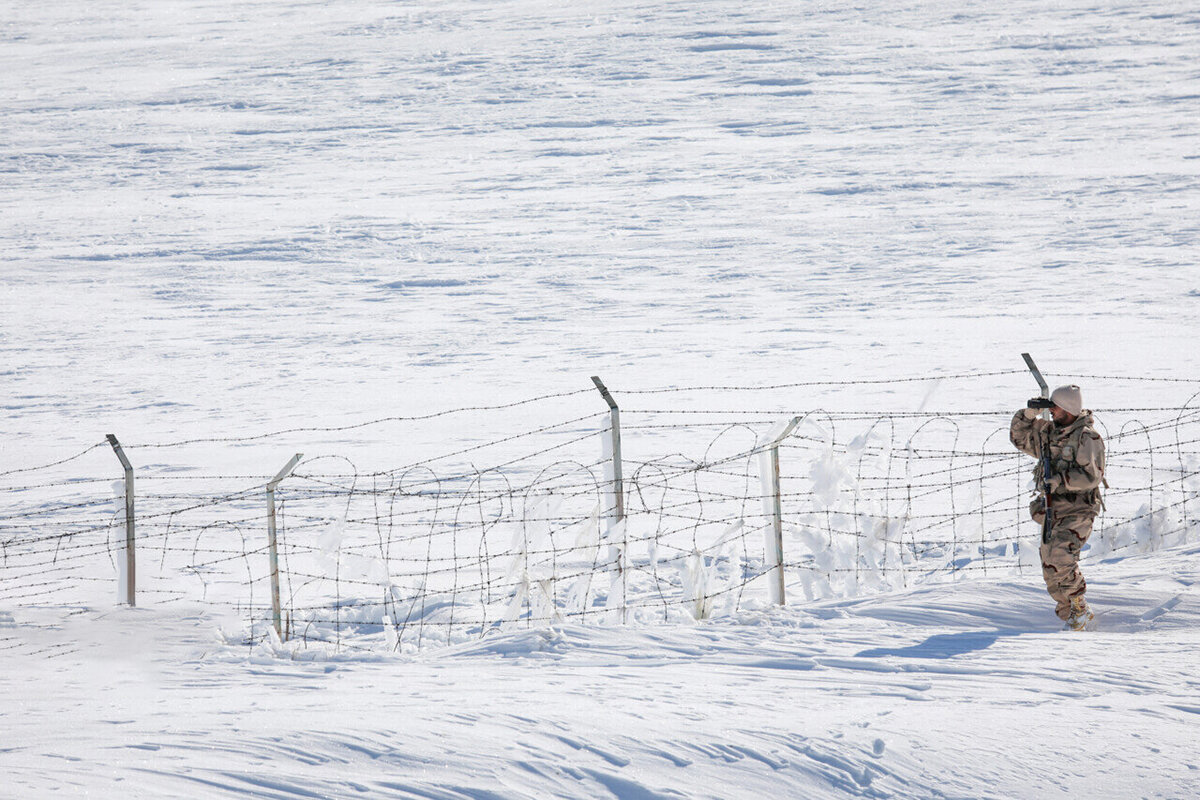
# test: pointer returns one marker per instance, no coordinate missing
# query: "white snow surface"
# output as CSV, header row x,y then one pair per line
x,y
221,220
966,691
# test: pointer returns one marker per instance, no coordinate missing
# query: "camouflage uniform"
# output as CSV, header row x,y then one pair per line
x,y
1077,470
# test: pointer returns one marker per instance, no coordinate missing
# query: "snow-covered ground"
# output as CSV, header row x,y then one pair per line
x,y
220,220
962,692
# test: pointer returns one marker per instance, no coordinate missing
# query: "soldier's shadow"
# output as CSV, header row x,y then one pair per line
x,y
942,645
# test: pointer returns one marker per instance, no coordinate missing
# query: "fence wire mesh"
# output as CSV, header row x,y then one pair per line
x,y
441,551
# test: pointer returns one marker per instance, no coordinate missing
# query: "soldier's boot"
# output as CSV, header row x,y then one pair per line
x,y
1081,614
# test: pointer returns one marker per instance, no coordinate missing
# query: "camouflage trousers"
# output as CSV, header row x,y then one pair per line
x,y
1071,526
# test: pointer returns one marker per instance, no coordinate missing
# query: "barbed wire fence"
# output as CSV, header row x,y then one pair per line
x,y
440,551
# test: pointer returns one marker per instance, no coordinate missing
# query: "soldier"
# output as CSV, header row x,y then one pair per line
x,y
1076,472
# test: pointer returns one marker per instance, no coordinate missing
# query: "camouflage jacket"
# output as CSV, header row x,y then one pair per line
x,y
1076,455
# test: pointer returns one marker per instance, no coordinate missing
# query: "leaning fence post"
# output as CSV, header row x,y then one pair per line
x,y
130,575
276,611
615,430
775,543
616,512
1037,376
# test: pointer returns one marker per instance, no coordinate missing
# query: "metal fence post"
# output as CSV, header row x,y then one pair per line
x,y
775,550
276,611
615,513
1037,376
130,558
615,428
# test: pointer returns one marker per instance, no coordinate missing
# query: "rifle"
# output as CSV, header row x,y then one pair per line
x,y
1048,520
1043,445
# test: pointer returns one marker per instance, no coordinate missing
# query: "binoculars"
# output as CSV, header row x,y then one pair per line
x,y
1040,402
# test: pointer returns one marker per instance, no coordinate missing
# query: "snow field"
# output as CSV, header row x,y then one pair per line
x,y
920,694
373,202
220,220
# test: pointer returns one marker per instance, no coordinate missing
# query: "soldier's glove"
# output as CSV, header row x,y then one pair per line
x,y
1040,402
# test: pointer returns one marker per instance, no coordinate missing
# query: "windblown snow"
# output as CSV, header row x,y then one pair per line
x,y
275,227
